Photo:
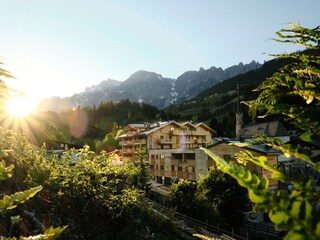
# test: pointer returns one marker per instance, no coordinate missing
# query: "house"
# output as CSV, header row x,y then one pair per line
x,y
228,148
172,148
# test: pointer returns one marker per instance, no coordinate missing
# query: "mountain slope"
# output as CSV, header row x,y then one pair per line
x,y
218,103
191,83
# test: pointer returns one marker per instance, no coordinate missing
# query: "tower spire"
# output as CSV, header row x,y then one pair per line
x,y
238,98
239,114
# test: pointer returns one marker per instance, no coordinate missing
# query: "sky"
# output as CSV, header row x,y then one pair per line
x,y
60,47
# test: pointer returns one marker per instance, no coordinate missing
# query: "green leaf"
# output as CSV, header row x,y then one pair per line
x,y
11,201
254,197
279,217
54,232
295,236
295,209
318,229
306,137
5,172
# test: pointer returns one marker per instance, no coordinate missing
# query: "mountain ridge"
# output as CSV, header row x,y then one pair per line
x,y
149,87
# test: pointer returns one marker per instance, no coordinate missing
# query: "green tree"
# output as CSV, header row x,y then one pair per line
x,y
182,196
293,93
224,191
186,199
144,177
110,141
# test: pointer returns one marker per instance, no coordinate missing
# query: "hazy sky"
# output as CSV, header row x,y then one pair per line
x,y
60,47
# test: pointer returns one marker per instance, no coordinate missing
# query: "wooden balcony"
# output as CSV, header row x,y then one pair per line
x,y
140,142
157,172
185,162
181,132
164,141
126,143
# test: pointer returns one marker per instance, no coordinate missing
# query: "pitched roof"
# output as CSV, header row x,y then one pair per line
x,y
246,145
150,128
273,128
206,127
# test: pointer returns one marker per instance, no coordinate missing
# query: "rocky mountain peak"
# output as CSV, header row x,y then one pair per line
x,y
151,88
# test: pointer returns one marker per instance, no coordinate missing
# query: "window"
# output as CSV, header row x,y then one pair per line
x,y
180,169
176,155
161,167
172,167
151,167
190,156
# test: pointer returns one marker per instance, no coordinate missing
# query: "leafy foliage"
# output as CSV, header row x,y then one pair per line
x,y
12,201
81,189
217,197
293,93
189,198
143,178
224,192
110,141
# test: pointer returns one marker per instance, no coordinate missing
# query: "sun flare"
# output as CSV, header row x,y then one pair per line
x,y
20,106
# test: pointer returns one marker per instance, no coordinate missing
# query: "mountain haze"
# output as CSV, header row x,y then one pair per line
x,y
149,87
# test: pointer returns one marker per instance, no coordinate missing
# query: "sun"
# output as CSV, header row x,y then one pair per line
x,y
20,106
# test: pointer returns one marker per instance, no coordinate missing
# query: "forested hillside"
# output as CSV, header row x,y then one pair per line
x,y
95,122
217,105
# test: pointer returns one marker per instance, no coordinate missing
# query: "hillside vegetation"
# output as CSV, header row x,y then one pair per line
x,y
217,105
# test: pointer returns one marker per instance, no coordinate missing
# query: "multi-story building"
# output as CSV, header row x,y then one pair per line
x,y
172,148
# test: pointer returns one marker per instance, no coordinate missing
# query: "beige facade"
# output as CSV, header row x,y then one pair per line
x,y
172,148
228,149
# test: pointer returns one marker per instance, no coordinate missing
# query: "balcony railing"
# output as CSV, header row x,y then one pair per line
x,y
157,172
188,162
142,142
157,161
164,141
179,132
124,143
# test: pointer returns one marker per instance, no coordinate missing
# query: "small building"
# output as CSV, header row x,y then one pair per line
x,y
228,148
172,148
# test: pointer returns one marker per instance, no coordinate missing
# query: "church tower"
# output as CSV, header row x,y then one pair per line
x,y
239,114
